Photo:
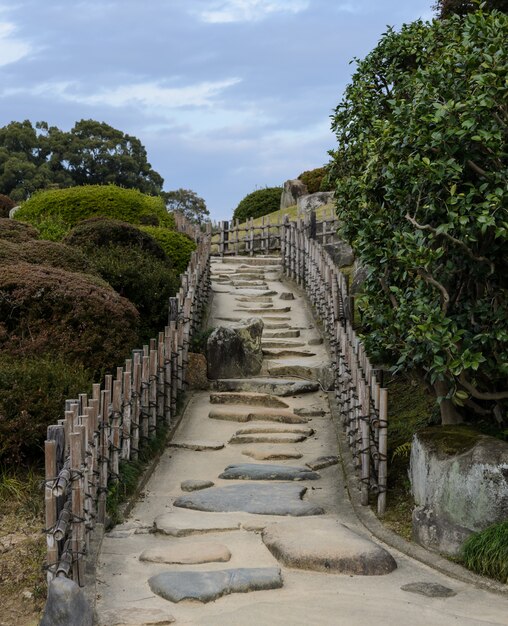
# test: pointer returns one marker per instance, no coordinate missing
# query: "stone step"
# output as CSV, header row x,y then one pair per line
x,y
187,553
299,430
276,326
326,545
251,261
253,284
282,334
272,453
250,286
132,616
250,398
269,344
310,370
274,386
249,415
247,308
256,471
197,445
254,299
185,524
267,438
255,292
282,354
261,310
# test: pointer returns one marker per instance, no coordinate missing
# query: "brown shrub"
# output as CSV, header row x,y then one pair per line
x,y
47,310
6,204
12,230
42,252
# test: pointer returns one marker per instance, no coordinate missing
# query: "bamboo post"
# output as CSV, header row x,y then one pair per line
x,y
126,415
136,403
365,452
145,398
383,451
115,429
50,508
152,419
78,529
104,456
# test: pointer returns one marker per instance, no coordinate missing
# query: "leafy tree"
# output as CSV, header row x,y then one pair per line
x,y
45,157
447,8
187,202
421,169
258,203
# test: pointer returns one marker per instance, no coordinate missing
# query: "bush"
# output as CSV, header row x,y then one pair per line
x,y
12,230
33,391
45,253
45,310
100,232
72,205
486,553
145,280
177,246
6,204
316,180
258,203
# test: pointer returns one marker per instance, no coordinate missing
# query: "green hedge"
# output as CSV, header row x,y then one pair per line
x,y
67,207
177,246
316,180
258,203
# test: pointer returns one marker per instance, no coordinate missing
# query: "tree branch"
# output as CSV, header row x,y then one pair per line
x,y
481,395
391,297
445,297
454,240
476,168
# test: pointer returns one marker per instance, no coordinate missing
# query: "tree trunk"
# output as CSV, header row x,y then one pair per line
x,y
449,413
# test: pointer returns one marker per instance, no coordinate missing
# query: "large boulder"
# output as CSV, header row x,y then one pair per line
x,y
293,189
66,605
313,201
459,480
341,253
235,351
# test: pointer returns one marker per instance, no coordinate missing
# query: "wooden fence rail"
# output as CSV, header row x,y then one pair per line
x,y
361,398
98,432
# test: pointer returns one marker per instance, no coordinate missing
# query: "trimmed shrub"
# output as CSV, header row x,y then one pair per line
x,y
49,253
145,280
12,230
486,552
177,246
33,391
72,205
316,180
258,203
100,232
6,204
46,310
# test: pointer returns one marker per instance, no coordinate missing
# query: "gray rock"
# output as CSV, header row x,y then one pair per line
x,y
66,605
431,590
277,386
322,462
293,189
287,295
310,369
187,553
458,479
267,438
197,445
185,524
282,334
272,453
314,200
235,350
341,253
287,354
208,586
195,485
251,398
311,411
133,616
315,340
326,545
254,471
283,416
260,499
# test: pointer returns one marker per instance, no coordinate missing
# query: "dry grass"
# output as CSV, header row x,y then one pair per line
x,y
22,548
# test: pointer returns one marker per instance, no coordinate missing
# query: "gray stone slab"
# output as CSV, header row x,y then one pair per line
x,y
208,586
245,397
310,411
133,616
281,344
284,354
254,471
66,605
294,430
176,525
281,438
326,545
260,499
287,295
197,445
281,334
282,416
272,453
277,386
255,292
430,590
270,308
186,553
195,485
322,462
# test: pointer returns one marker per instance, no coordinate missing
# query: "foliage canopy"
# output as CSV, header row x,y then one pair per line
x,y
421,169
258,203
188,203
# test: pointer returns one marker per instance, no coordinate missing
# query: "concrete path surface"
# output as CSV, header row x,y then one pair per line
x,y
246,519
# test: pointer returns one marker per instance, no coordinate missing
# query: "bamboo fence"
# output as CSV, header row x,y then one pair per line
x,y
98,432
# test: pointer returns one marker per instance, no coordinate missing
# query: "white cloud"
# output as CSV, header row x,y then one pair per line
x,y
12,49
228,11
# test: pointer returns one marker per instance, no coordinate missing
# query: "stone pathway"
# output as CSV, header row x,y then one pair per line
x,y
246,519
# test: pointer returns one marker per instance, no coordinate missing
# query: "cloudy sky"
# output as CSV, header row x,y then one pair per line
x,y
226,95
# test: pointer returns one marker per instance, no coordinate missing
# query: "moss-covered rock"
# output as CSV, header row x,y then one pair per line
x,y
46,310
12,230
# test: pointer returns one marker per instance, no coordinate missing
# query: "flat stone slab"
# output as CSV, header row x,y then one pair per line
x,y
195,485
287,295
430,590
272,453
208,586
277,386
133,616
311,411
272,309
256,430
281,334
326,545
257,498
254,299
278,438
275,326
253,398
283,416
322,462
187,553
281,344
176,525
255,292
254,471
284,354
246,308
197,445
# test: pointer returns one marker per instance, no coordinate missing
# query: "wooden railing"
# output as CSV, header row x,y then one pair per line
x,y
83,452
